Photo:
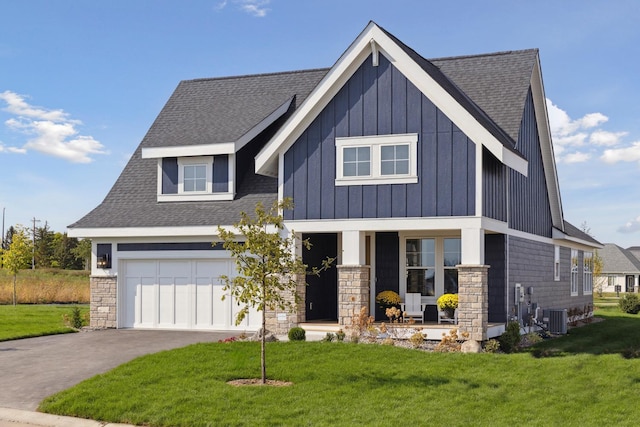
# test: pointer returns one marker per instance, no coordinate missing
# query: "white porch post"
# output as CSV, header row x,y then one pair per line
x,y
353,277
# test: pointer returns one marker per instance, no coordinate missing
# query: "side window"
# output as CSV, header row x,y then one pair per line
x,y
556,264
574,272
587,268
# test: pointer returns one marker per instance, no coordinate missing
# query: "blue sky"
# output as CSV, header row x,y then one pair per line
x,y
82,81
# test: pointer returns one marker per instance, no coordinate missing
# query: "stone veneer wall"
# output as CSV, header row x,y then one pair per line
x,y
473,300
279,322
104,294
353,291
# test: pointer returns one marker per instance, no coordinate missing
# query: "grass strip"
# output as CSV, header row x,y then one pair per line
x,y
26,321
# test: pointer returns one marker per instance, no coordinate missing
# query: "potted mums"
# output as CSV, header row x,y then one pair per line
x,y
448,303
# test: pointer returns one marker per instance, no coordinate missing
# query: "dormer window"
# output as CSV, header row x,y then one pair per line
x,y
378,159
195,174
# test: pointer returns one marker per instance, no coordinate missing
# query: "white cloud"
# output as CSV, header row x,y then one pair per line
x,y
625,154
254,7
631,226
577,157
51,132
585,132
605,138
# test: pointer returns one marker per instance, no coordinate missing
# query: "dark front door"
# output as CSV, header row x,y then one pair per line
x,y
387,266
630,280
321,299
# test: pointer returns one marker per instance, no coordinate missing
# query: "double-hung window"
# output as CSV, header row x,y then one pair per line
x,y
587,277
378,159
574,272
431,265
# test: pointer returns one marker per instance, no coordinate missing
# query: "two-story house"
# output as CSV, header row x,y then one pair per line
x,y
423,176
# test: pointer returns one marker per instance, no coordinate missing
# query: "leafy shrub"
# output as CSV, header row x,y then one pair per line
x,y
629,303
510,338
340,335
297,334
76,319
329,337
491,346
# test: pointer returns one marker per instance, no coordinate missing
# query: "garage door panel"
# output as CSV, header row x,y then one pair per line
x,y
180,294
145,310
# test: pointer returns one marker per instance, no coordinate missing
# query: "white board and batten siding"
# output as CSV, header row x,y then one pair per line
x,y
179,294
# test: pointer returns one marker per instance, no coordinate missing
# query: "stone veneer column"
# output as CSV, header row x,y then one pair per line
x,y
353,291
473,300
279,322
104,294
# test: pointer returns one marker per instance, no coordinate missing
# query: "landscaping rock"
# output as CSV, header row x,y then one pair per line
x,y
471,346
269,337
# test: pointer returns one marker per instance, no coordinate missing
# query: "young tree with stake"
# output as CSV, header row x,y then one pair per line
x,y
267,265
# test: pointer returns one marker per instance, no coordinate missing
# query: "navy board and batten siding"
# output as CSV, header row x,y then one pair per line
x,y
220,178
381,101
529,208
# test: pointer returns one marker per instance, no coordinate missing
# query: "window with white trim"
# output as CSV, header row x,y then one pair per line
x,y
556,263
432,265
574,272
587,276
195,175
377,159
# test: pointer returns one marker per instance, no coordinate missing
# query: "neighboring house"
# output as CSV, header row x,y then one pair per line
x,y
620,269
427,176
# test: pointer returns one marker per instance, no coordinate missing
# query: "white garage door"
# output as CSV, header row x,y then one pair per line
x,y
179,294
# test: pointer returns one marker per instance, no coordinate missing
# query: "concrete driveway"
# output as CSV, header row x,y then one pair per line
x,y
34,368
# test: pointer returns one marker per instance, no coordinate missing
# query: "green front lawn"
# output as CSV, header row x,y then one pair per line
x,y
24,321
347,384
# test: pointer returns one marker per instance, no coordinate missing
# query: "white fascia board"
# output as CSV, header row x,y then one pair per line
x,y
189,150
546,146
265,123
138,233
91,233
563,238
344,69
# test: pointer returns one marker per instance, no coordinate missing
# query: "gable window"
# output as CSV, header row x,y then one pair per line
x,y
587,277
394,160
378,159
357,161
574,272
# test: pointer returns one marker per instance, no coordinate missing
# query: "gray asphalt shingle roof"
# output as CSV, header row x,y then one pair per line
x,y
618,260
217,110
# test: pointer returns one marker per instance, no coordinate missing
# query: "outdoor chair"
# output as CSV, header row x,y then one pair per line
x,y
412,307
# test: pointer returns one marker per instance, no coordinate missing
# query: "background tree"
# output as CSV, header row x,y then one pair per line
x,y
82,252
598,278
267,264
63,252
17,256
44,246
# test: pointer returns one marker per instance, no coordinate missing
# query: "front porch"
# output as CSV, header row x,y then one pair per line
x,y
431,330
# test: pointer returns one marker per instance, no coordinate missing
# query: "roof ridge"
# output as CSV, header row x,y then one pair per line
x,y
477,55
242,76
